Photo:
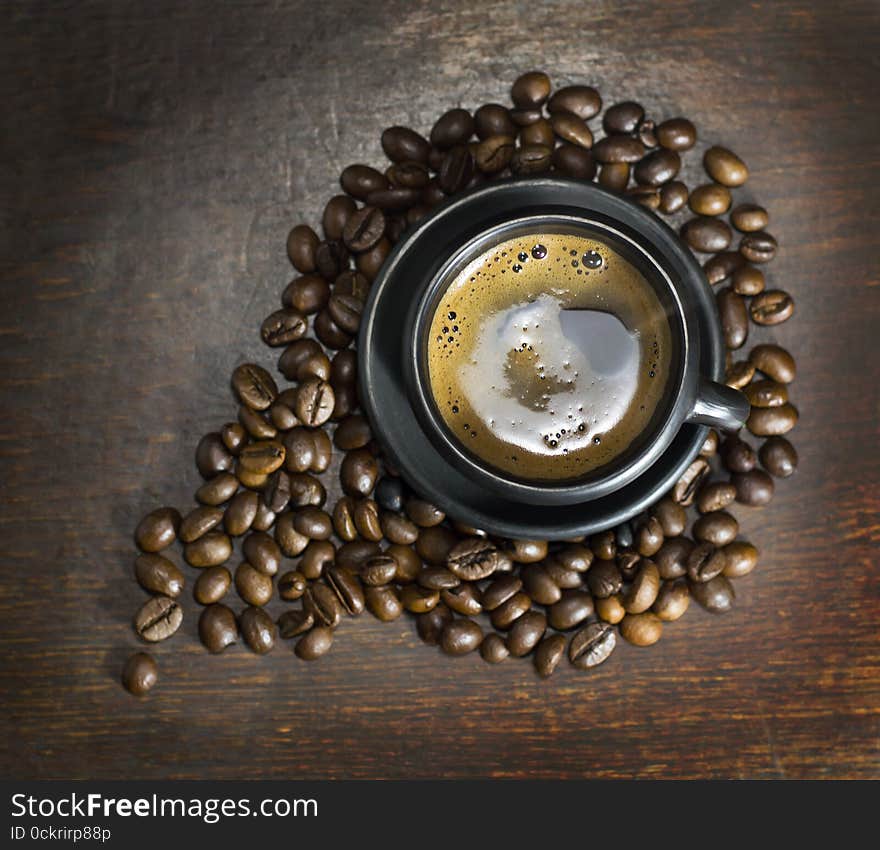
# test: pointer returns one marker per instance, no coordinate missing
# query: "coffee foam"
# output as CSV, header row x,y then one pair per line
x,y
548,356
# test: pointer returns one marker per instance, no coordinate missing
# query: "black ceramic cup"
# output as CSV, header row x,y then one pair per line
x,y
393,362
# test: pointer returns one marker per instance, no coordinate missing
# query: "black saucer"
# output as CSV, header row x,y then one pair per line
x,y
388,314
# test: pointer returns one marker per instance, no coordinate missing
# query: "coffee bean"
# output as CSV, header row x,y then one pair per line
x,y
157,574
264,519
766,394
686,487
753,488
255,481
434,544
772,421
217,628
454,127
364,229
418,600
210,550
474,559
324,605
573,607
258,630
574,161
673,197
409,564
294,623
774,361
604,545
705,562
571,129
254,386
649,536
383,603
563,577
158,618
313,523
460,637
583,101
212,585
262,552
530,90
282,416
358,473
199,521
618,149
740,559
252,586
644,588
493,649
710,199
671,516
366,520
672,601
641,629
398,529
337,211
623,117
292,585
526,633
778,456
299,451
716,596
500,590
402,144
604,579
531,159
317,556
614,176
575,556
737,455
234,437
771,307
464,599
283,327
377,570
510,610
710,445
527,551
722,266
430,625
302,242
647,132
240,512
706,234
262,457
592,645
456,170
739,374
346,402
658,168
672,558
716,527
352,433
329,333
539,586
424,514
140,674
748,280
758,247
734,318
332,257
307,295
628,563
549,653
715,496
314,643
492,119
343,369
359,180
749,218
157,530
677,134
725,167
610,609
647,196
290,541
314,402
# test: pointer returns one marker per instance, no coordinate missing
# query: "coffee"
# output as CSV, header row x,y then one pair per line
x,y
548,355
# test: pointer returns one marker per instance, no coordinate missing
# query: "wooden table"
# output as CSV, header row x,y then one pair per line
x,y
152,159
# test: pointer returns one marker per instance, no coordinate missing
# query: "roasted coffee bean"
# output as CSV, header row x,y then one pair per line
x,y
771,307
628,563
454,127
348,588
302,242
430,625
299,447
492,119
527,551
618,149
332,258
383,603
359,180
240,512
575,557
217,628
257,629
157,530
493,649
705,562
671,560
435,543
531,159
649,536
739,374
725,167
345,404
563,577
210,550
343,369
140,674
198,522
290,541
753,488
737,455
623,117
294,623
283,327
710,199
256,425
748,280
749,218
282,416
456,170
500,590
539,586
460,637
313,523
778,456
717,527
264,519
716,596
706,234
571,129
157,574
592,645
710,445
337,211
398,529
672,601
212,457
464,599
358,473
234,437
262,457
647,196
292,585
262,552
409,564
772,421
158,618
364,229
526,633
316,558
610,609
276,494
494,153
343,519
424,514
530,90
583,101
604,545
417,599
722,266
647,132
352,433
252,586
377,570
715,496
474,559
759,247
307,295
366,520
314,643
574,161
673,197
393,199
212,585
671,516
766,394
734,318
614,176
320,601
314,402
686,487
643,590
604,579
401,144
641,629
329,333
254,386
658,168
677,134
572,608
774,361
252,481
510,610
740,559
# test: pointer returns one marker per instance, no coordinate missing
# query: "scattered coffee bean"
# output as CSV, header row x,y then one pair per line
x,y
212,585
210,550
672,601
758,247
706,234
775,362
358,473
623,117
217,628
383,603
294,623
705,562
157,574
474,559
778,457
140,674
643,590
710,199
549,653
717,527
610,609
314,643
641,629
740,558
158,619
258,630
157,530
687,486
716,596
753,488
715,496
460,637
749,218
677,134
592,645
772,421
302,242
737,455
771,307
658,168
725,167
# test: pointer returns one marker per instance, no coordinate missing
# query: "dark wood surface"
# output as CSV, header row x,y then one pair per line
x,y
152,159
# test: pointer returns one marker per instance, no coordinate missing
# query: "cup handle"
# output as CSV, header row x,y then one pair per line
x,y
719,406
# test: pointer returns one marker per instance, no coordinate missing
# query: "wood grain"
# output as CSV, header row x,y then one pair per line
x,y
152,159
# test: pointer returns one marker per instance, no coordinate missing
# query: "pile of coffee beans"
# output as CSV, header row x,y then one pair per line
x,y
381,548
